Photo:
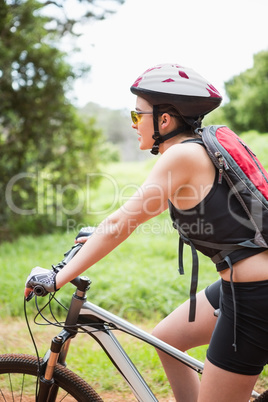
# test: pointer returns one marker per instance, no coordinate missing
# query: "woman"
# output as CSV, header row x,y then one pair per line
x,y
171,102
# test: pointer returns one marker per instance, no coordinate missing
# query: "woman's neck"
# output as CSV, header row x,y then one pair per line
x,y
174,141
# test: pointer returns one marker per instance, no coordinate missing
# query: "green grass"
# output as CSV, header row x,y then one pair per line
x,y
139,280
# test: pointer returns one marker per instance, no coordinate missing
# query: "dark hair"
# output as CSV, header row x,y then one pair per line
x,y
172,111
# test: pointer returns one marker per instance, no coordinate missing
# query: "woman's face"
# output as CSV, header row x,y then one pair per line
x,y
145,127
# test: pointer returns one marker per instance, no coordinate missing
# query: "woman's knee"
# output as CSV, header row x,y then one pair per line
x,y
170,334
159,331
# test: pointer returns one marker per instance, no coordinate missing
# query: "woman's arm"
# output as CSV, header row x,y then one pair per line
x,y
146,203
169,173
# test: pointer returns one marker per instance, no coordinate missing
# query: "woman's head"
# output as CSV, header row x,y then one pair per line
x,y
187,95
165,122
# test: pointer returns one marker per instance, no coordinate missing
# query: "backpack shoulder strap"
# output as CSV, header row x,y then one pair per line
x,y
196,140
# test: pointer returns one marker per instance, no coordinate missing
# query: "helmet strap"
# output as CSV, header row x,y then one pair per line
x,y
159,139
193,122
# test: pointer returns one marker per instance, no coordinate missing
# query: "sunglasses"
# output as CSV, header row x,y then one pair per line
x,y
136,116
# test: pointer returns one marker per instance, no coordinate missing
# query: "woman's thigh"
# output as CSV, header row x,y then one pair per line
x,y
176,329
221,385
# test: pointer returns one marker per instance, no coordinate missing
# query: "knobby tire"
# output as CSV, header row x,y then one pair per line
x,y
27,366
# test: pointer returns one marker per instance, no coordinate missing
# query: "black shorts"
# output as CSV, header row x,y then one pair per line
x,y
213,294
251,329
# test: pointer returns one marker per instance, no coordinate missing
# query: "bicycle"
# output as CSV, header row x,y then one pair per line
x,y
49,380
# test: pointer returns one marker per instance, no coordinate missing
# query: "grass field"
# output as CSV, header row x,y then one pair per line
x,y
139,280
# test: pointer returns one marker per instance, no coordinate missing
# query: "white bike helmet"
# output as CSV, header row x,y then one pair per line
x,y
191,95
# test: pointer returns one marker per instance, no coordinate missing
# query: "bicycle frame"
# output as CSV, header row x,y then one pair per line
x,y
108,341
100,324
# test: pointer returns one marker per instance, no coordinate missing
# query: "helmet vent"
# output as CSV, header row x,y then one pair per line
x,y
183,74
169,80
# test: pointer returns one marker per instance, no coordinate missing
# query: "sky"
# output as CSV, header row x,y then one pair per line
x,y
217,38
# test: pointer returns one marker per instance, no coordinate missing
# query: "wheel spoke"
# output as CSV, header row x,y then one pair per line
x,y
65,396
11,388
3,396
22,387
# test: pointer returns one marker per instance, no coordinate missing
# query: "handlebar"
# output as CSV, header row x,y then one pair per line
x,y
39,290
81,282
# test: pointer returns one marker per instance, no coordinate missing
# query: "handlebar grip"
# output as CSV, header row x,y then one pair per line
x,y
39,290
85,232
81,282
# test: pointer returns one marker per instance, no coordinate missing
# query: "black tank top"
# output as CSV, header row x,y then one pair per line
x,y
218,218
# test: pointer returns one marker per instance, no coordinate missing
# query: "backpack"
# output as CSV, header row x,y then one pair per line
x,y
248,181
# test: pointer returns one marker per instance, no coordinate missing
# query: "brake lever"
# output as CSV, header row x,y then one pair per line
x,y
39,289
30,296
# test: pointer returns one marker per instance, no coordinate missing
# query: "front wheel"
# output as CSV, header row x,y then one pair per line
x,y
18,375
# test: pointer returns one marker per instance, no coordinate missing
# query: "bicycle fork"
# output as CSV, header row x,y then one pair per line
x,y
57,353
47,388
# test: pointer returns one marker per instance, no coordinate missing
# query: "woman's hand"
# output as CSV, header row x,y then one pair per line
x,y
84,234
43,277
82,239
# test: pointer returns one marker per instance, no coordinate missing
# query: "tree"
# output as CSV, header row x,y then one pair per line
x,y
247,108
42,139
63,21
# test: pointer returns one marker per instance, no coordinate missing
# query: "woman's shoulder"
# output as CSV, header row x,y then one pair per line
x,y
185,152
188,160
183,165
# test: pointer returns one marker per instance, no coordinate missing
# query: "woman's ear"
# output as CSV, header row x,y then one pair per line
x,y
165,120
